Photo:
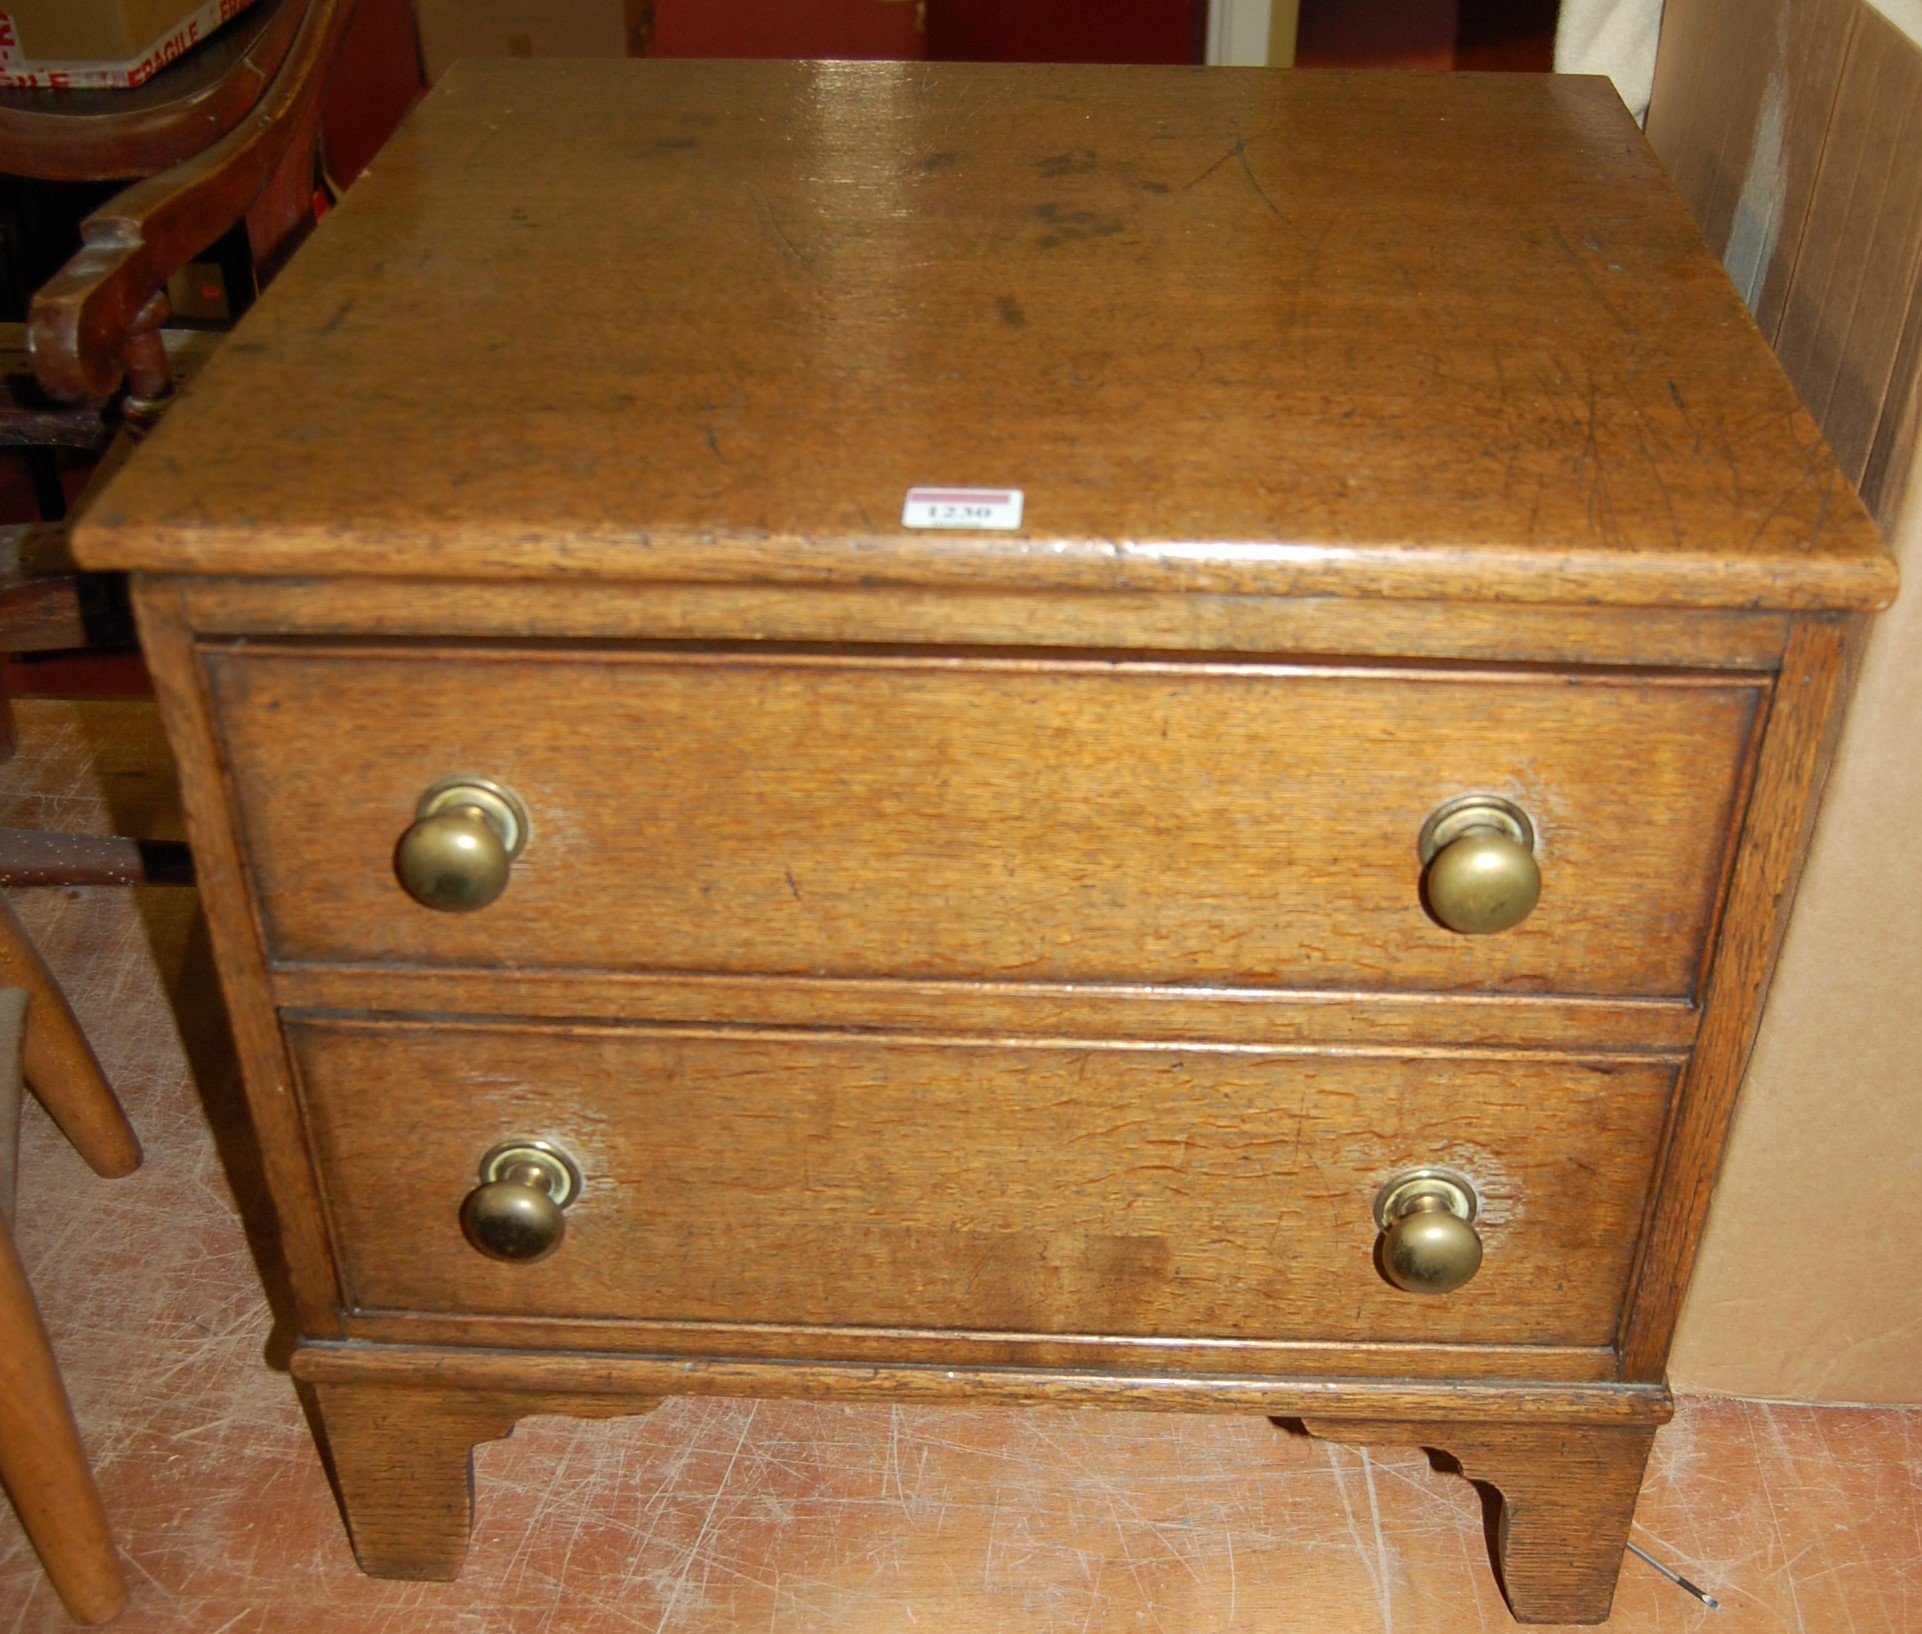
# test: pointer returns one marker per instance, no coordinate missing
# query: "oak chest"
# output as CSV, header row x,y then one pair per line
x,y
1050,735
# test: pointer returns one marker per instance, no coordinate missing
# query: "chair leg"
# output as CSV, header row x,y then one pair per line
x,y
59,1062
43,1463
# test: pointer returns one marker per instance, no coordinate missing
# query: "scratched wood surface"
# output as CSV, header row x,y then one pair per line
x,y
717,1515
1363,335
1021,818
100,767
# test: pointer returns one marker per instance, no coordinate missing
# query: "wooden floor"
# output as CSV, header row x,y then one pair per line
x,y
740,1516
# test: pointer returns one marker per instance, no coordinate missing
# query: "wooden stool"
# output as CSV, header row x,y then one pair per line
x,y
41,1459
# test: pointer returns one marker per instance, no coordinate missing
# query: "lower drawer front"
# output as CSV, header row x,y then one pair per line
x,y
955,1184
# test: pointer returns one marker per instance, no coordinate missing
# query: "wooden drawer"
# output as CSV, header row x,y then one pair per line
x,y
945,1184
1017,819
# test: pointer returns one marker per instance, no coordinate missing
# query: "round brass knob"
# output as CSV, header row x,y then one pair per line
x,y
467,831
512,1219
1480,854
1429,1243
514,1214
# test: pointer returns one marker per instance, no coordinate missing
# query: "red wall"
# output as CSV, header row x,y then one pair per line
x,y
371,83
785,28
1065,30
955,30
1377,34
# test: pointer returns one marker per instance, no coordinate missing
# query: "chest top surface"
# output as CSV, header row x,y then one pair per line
x,y
1411,336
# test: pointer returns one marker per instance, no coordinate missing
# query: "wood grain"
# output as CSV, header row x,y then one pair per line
x,y
800,1178
1787,128
402,1465
1742,99
1277,626
1803,725
968,817
1354,336
1889,482
400,1442
1198,1360
221,877
1274,1018
96,766
1851,294
31,857
43,1463
646,1378
1567,1498
59,1062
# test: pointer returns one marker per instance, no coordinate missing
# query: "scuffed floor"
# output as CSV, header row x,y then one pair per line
x,y
722,1515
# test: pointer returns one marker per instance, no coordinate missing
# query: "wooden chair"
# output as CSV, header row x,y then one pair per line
x,y
233,140
225,137
41,1458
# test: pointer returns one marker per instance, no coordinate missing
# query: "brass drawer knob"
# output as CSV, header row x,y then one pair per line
x,y
1479,851
514,1214
467,831
1429,1244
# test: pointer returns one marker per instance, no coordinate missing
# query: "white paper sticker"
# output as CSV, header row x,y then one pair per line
x,y
962,508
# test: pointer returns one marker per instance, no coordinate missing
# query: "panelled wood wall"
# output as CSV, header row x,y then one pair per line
x,y
1794,130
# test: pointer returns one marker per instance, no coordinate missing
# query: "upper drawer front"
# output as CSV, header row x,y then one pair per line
x,y
1046,1188
1010,819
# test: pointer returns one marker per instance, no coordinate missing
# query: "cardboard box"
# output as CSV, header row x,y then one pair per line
x,y
101,44
452,29
1789,126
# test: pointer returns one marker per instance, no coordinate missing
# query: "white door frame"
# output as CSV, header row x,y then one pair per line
x,y
1251,33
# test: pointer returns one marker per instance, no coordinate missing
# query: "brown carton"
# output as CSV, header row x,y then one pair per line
x,y
101,44
1789,126
452,29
